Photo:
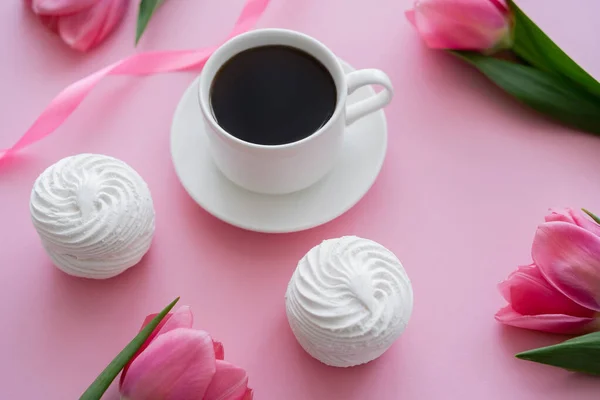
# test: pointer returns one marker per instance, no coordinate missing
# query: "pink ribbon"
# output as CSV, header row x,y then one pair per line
x,y
148,63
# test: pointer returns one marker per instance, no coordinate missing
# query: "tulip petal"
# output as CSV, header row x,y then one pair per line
x,y
229,383
249,395
569,258
552,323
114,15
529,293
60,7
575,217
182,318
177,365
460,24
50,21
84,30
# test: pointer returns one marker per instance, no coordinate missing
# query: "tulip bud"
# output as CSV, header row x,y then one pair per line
x,y
181,363
81,24
481,25
178,364
558,293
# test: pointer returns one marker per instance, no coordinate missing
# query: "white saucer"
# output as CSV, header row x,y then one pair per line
x,y
355,172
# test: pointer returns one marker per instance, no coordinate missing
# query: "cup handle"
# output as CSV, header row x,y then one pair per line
x,y
357,79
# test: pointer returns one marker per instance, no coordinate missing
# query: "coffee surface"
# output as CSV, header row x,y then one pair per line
x,y
272,95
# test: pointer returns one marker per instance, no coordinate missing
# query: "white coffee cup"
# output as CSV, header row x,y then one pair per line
x,y
286,168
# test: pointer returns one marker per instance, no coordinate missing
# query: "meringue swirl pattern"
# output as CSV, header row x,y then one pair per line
x,y
94,215
348,301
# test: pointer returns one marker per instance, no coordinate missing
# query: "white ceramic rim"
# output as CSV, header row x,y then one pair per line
x,y
271,35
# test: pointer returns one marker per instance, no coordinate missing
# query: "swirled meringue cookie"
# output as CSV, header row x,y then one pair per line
x,y
94,215
348,301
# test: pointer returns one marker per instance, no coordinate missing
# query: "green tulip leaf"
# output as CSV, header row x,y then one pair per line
x,y
145,12
548,93
592,215
103,381
581,354
535,47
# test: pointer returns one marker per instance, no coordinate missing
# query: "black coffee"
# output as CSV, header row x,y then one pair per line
x,y
272,95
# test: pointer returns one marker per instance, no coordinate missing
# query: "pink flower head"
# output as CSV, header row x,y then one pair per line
x,y
181,363
560,291
81,24
574,217
482,25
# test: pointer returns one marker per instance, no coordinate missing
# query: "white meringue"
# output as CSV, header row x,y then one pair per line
x,y
348,301
94,215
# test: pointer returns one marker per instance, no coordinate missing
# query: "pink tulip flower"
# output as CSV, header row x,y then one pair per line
x,y
181,363
574,217
481,25
81,24
560,291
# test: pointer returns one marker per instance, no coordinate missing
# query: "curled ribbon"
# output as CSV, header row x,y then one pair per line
x,y
148,63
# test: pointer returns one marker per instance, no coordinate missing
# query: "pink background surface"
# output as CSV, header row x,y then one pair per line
x,y
468,176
